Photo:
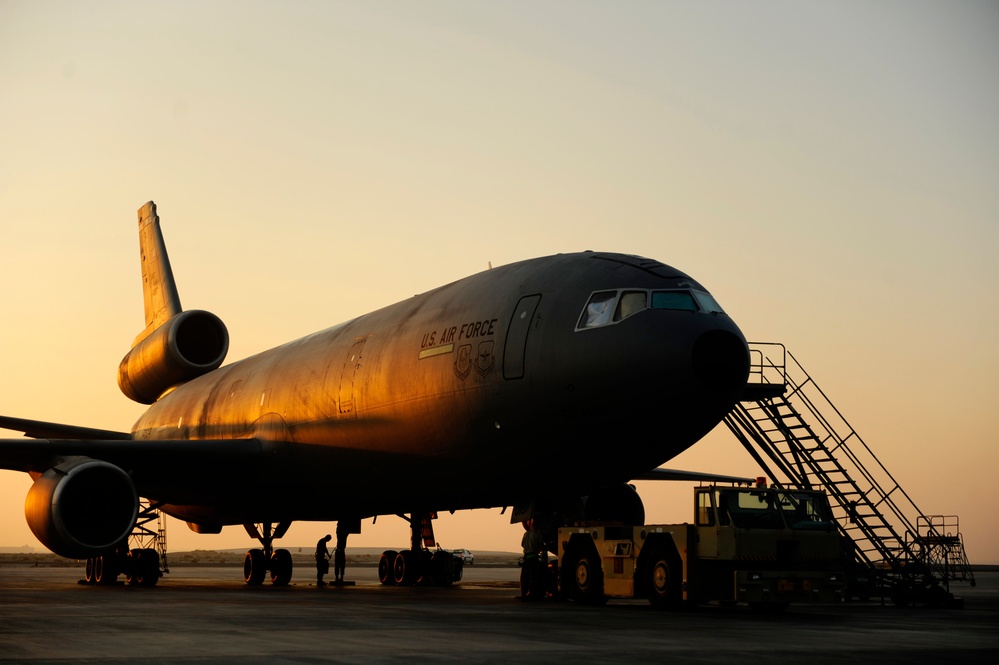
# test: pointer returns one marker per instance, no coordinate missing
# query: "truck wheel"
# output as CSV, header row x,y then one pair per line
x,y
588,580
664,581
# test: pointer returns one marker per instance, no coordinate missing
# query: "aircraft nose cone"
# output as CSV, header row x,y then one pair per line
x,y
721,361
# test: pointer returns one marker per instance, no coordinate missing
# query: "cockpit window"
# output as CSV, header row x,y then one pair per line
x,y
608,307
598,310
707,303
631,302
681,300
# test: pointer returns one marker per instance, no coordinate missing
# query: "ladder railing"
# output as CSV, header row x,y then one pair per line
x,y
149,532
792,429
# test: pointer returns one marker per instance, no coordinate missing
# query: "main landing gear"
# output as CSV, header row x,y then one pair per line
x,y
258,562
419,564
141,558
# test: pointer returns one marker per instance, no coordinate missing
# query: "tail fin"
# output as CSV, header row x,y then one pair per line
x,y
176,346
159,291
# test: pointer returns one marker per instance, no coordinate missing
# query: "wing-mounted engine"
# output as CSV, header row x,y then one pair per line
x,y
185,347
82,507
176,346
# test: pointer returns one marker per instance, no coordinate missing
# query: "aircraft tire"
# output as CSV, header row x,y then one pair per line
x,y
147,572
106,569
89,571
386,563
254,567
404,570
445,569
132,567
281,567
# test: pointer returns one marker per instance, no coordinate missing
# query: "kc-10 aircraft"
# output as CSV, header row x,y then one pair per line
x,y
531,385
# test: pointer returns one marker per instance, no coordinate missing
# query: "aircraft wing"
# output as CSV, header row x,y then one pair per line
x,y
676,474
40,455
38,429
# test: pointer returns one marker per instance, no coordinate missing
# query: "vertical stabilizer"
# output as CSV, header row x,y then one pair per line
x,y
159,291
176,346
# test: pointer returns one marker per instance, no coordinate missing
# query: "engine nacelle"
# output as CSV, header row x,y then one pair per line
x,y
82,507
185,347
618,504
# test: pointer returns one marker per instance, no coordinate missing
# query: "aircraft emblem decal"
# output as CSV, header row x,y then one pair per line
x,y
485,360
463,363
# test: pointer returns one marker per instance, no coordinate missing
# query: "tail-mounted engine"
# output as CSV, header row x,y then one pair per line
x,y
188,345
82,507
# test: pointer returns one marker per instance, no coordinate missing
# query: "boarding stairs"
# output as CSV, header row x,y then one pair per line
x,y
801,440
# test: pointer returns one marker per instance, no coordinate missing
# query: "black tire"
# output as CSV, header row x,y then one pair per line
x,y
90,571
281,567
587,579
442,566
106,569
386,564
404,568
132,567
147,571
663,580
254,567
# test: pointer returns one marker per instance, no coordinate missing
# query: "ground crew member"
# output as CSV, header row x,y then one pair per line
x,y
322,559
532,578
340,557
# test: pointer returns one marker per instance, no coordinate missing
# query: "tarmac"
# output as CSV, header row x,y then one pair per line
x,y
203,614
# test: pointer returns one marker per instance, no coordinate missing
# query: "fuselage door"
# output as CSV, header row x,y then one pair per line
x,y
351,364
515,350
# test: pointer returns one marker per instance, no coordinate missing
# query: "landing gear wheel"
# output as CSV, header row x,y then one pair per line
x,y
90,572
106,569
254,567
281,567
135,562
385,565
147,572
422,568
443,567
404,570
663,581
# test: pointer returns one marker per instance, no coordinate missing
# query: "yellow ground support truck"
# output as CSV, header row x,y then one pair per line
x,y
759,545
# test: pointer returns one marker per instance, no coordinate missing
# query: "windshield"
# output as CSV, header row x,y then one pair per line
x,y
806,510
608,307
749,509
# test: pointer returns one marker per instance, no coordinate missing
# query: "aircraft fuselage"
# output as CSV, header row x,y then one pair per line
x,y
509,384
